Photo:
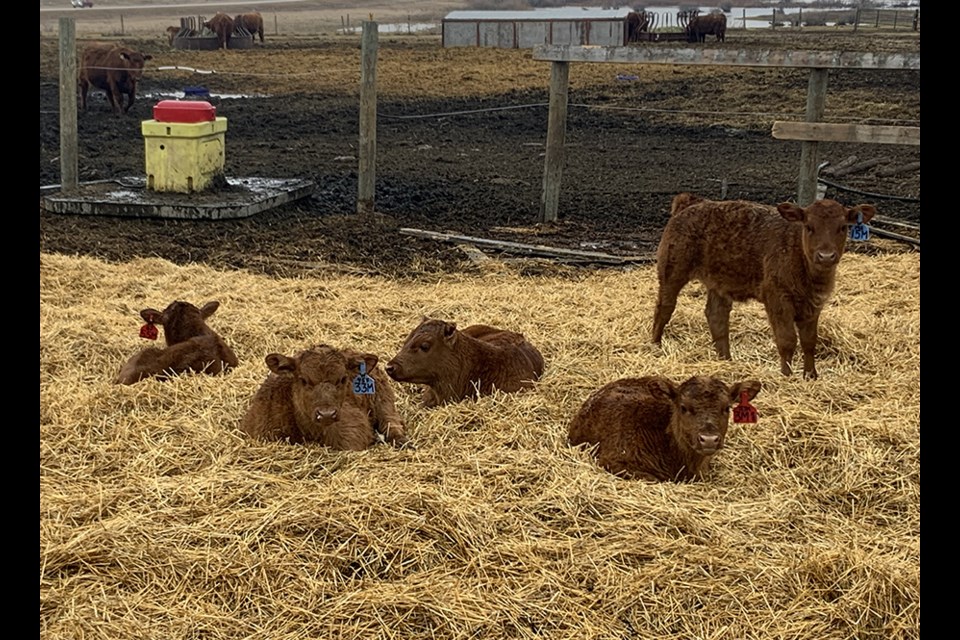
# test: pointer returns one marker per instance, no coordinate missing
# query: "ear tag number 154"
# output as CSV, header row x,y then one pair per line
x,y
363,385
859,231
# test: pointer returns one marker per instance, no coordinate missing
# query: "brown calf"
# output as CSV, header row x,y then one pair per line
x,y
222,25
455,364
172,34
785,257
251,22
114,69
191,345
654,429
310,397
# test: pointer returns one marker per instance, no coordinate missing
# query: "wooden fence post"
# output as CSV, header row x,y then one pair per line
x,y
121,24
68,107
368,118
556,134
809,151
276,27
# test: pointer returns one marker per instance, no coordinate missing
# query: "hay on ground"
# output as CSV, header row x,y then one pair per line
x,y
158,519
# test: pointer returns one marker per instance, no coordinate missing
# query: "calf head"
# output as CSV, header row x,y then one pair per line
x,y
133,61
427,354
825,227
701,410
320,379
181,320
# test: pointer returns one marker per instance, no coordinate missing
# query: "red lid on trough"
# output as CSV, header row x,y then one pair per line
x,y
184,111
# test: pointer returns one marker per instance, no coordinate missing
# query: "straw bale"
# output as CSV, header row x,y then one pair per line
x,y
159,519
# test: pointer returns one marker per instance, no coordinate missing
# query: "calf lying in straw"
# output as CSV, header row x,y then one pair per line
x,y
332,396
654,429
191,344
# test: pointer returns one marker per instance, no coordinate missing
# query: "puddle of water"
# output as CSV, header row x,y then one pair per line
x,y
180,95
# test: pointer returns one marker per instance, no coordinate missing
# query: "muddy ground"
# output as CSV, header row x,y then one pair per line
x,y
636,136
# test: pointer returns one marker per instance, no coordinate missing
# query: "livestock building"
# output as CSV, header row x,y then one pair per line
x,y
525,29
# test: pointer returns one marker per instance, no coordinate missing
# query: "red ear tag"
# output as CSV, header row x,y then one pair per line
x,y
744,412
149,331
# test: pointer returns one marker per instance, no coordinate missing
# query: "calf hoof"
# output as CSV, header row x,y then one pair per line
x,y
811,374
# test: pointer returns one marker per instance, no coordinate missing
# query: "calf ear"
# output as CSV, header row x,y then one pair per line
x,y
664,389
152,316
867,210
791,212
449,330
369,359
208,309
281,364
752,388
148,57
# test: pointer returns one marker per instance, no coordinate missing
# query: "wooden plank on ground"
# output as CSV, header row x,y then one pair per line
x,y
727,57
531,249
831,132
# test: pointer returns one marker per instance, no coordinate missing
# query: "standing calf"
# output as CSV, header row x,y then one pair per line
x,y
191,345
310,397
456,364
785,257
654,429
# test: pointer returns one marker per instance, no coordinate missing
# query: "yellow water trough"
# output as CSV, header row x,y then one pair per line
x,y
184,145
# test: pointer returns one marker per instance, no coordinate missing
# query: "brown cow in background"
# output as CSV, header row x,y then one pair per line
x,y
251,22
637,23
114,69
172,34
222,25
700,27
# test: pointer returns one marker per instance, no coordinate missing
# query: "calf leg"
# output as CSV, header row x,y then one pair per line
x,y
718,317
131,96
808,343
116,98
784,333
666,303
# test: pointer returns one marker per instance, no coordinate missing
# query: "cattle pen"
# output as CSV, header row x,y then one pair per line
x,y
160,518
819,62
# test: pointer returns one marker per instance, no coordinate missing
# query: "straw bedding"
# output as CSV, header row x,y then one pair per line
x,y
158,519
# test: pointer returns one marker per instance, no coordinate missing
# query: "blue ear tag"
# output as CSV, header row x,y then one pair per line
x,y
859,231
363,385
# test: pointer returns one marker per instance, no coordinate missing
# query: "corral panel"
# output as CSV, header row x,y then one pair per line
x,y
565,32
459,34
607,33
530,34
496,34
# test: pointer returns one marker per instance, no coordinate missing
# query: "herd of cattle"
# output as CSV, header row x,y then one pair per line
x,y
223,27
116,69
652,428
696,27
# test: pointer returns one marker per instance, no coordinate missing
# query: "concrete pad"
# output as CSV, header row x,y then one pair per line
x,y
128,197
